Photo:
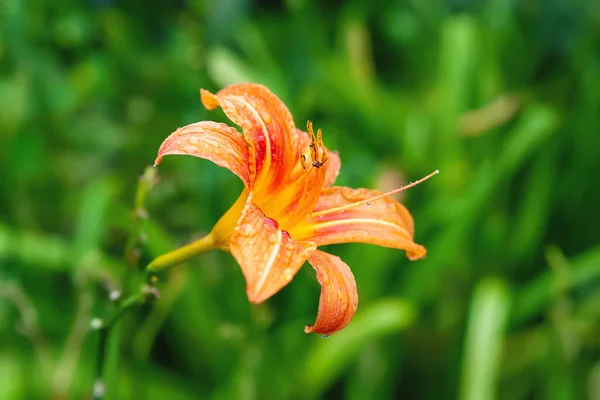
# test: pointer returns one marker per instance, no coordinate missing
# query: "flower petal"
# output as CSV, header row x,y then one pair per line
x,y
383,221
267,125
269,257
212,141
339,298
332,169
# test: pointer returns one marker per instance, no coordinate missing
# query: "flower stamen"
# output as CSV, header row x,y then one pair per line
x,y
371,199
315,143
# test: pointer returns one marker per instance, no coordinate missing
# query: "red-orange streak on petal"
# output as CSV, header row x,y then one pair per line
x,y
268,126
210,101
269,257
212,141
339,298
383,222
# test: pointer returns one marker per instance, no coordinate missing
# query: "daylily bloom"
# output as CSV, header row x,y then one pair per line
x,y
288,206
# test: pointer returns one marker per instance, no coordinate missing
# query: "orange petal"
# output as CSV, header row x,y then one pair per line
x,y
332,169
269,257
339,298
383,221
212,141
267,125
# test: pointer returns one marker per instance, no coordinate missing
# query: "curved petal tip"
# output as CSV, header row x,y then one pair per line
x,y
416,252
339,297
209,100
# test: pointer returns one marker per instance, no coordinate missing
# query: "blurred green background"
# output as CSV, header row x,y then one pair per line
x,y
502,96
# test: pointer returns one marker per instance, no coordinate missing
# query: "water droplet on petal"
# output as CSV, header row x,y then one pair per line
x,y
368,203
193,140
272,238
290,246
265,117
247,230
287,275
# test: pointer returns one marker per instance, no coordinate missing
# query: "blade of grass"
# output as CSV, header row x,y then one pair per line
x,y
537,295
486,323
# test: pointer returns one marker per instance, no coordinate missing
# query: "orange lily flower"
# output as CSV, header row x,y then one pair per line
x,y
288,206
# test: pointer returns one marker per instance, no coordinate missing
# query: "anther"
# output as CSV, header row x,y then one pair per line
x,y
314,142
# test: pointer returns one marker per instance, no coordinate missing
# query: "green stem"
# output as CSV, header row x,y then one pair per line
x,y
147,291
145,183
182,254
104,331
132,251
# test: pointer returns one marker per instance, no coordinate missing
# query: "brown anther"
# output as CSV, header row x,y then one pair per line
x,y
314,142
303,161
313,151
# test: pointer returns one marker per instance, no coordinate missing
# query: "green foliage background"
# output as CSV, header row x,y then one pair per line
x,y
502,96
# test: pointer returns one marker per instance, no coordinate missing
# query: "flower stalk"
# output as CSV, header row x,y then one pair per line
x,y
144,293
182,254
104,327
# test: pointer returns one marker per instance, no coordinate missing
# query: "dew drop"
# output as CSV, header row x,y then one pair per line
x,y
99,389
368,203
247,230
193,140
114,295
266,117
290,246
323,336
96,323
287,275
272,238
